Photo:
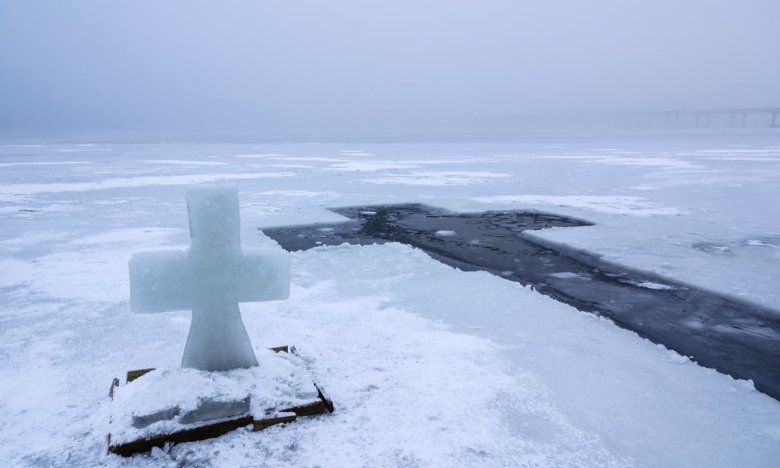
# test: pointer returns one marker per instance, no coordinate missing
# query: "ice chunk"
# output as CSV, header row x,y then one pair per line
x,y
209,409
160,281
211,278
215,226
445,233
167,414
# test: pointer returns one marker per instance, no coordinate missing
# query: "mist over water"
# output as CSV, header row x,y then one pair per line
x,y
427,69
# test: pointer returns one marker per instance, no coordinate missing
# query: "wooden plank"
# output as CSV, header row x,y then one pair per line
x,y
265,423
309,409
134,374
189,435
323,395
320,389
114,384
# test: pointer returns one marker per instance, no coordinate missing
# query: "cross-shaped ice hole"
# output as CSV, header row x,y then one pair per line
x,y
210,278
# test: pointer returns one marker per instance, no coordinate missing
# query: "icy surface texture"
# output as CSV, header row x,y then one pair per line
x,y
210,278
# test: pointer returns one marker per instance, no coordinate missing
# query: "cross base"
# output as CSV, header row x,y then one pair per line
x,y
169,426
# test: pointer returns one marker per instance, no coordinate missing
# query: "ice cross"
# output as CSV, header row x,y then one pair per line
x,y
211,278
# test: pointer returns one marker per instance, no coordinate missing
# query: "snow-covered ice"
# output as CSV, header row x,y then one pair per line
x,y
427,365
167,400
626,205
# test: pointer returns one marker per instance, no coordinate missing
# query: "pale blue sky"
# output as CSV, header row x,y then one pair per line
x,y
331,66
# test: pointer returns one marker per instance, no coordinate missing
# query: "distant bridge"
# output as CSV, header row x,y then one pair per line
x,y
733,117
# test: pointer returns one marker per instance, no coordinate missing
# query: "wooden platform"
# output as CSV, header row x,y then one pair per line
x,y
207,430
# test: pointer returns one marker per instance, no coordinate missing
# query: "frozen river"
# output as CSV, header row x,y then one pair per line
x,y
408,347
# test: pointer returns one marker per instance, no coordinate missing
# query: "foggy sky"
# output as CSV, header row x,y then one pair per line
x,y
292,66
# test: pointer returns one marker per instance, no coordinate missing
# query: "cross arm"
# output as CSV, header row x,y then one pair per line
x,y
160,281
263,275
